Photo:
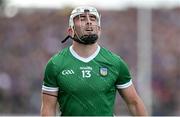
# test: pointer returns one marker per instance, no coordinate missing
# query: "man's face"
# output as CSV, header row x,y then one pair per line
x,y
86,24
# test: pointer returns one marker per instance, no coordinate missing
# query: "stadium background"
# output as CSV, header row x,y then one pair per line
x,y
31,36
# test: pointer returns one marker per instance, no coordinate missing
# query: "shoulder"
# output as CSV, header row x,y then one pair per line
x,y
111,56
58,57
57,60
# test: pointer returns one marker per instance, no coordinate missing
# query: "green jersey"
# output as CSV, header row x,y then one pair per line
x,y
86,86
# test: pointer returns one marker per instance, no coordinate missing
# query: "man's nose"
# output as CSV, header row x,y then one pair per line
x,y
88,21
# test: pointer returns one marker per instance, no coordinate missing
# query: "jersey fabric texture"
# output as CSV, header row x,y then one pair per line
x,y
86,86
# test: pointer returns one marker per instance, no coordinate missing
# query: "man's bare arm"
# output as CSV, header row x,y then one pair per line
x,y
133,101
49,101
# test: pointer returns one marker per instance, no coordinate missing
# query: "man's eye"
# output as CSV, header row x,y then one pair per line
x,y
82,18
93,19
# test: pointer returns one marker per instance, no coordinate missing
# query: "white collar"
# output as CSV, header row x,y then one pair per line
x,y
86,60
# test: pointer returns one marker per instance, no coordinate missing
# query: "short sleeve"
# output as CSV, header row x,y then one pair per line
x,y
50,74
124,80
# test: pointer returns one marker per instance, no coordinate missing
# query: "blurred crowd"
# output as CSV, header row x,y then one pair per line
x,y
29,39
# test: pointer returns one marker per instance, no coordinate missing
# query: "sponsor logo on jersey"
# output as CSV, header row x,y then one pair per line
x,y
103,71
67,72
86,68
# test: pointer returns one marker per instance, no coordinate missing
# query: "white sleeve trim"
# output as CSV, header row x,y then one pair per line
x,y
52,89
124,85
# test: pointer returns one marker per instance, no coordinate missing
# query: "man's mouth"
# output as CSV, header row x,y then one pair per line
x,y
89,29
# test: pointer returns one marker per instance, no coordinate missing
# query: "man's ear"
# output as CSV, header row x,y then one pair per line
x,y
99,30
70,31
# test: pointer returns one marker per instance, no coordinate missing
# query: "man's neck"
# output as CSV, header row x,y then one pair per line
x,y
84,51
